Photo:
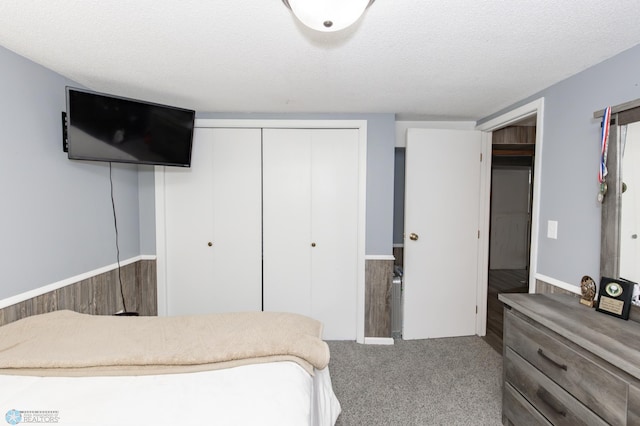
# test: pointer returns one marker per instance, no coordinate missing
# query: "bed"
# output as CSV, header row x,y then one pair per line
x,y
225,369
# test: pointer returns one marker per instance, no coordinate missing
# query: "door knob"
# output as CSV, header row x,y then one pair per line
x,y
313,244
413,236
209,243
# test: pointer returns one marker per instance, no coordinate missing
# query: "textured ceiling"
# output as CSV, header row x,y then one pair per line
x,y
453,59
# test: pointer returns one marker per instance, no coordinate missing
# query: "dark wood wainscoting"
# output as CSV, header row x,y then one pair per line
x,y
98,295
378,279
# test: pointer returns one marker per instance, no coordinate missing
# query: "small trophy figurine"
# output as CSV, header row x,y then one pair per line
x,y
588,289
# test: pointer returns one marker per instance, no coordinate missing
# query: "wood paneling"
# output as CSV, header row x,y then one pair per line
x,y
378,279
98,295
147,289
514,135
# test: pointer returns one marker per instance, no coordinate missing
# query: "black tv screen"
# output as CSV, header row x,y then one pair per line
x,y
103,127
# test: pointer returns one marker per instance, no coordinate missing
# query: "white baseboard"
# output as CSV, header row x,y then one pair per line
x,y
561,284
378,341
71,280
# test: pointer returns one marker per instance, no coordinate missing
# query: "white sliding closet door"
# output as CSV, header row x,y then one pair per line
x,y
286,213
213,225
310,224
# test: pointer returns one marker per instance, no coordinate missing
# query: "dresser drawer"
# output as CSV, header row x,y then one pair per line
x,y
633,415
518,410
592,385
556,404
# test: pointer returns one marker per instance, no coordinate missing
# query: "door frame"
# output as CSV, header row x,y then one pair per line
x,y
517,114
360,125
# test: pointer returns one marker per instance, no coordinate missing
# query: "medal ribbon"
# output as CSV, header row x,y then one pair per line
x,y
604,144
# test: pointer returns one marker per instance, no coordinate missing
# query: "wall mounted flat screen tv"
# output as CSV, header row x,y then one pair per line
x,y
101,127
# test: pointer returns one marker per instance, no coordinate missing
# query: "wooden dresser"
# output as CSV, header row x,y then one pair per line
x,y
567,364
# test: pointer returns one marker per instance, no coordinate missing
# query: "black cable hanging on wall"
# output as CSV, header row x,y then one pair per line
x,y
115,225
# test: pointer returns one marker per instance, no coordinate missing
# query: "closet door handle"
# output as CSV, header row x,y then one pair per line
x,y
313,244
413,236
551,360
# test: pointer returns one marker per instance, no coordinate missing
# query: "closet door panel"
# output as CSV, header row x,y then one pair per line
x,y
214,225
237,223
287,241
310,206
334,227
188,226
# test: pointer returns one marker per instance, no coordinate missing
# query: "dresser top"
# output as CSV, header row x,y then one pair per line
x,y
615,340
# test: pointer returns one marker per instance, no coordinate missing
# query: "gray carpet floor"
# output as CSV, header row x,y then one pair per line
x,y
450,381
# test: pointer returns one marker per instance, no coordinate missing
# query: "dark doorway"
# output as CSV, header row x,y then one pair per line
x,y
512,162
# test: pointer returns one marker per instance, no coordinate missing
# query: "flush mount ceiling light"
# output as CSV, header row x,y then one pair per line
x,y
328,15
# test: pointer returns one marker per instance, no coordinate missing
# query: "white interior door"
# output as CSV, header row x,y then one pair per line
x,y
213,225
310,235
442,195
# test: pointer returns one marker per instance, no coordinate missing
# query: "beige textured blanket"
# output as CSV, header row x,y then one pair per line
x,y
66,343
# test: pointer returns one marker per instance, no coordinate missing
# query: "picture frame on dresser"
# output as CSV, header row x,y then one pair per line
x,y
614,297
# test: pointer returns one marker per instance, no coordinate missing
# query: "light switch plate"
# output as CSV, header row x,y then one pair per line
x,y
552,229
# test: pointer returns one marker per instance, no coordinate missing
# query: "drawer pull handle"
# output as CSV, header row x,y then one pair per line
x,y
552,361
548,399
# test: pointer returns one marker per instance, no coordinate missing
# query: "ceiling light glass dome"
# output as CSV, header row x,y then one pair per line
x,y
328,15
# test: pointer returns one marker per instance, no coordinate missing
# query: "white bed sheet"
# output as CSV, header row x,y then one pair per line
x,y
279,393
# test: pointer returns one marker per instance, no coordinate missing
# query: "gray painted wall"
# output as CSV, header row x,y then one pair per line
x,y
58,213
570,156
147,200
56,221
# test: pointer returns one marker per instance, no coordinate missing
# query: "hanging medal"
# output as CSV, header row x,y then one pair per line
x,y
604,147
